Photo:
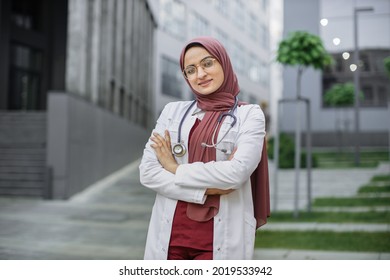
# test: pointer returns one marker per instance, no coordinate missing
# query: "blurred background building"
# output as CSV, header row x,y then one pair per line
x,y
75,92
83,81
242,26
333,20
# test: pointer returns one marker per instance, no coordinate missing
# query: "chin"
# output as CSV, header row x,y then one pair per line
x,y
205,91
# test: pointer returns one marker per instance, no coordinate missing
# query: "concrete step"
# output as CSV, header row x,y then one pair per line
x,y
22,153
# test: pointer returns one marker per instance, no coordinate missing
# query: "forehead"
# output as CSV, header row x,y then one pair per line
x,y
194,55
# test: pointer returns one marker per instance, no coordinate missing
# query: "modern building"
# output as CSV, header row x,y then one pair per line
x,y
333,21
242,26
75,92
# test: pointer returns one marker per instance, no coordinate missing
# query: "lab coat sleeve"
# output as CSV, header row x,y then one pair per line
x,y
155,177
233,173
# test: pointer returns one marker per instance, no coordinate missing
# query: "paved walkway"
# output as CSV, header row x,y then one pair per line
x,y
109,220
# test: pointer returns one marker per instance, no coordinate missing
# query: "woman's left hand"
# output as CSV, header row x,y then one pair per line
x,y
163,150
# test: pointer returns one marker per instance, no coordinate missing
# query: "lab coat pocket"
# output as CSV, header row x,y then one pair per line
x,y
225,149
250,233
227,136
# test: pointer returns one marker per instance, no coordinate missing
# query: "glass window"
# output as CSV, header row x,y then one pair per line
x,y
264,36
265,5
253,68
369,97
25,78
172,78
253,26
223,38
222,7
238,58
27,14
382,96
264,73
172,17
239,14
199,25
364,62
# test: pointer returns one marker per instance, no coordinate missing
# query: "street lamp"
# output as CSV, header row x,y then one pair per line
x,y
356,80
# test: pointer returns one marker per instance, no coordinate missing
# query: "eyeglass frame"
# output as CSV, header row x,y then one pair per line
x,y
197,65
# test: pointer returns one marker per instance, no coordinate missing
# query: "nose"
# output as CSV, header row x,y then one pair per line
x,y
201,73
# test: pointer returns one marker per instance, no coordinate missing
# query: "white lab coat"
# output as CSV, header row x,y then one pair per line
x,y
234,225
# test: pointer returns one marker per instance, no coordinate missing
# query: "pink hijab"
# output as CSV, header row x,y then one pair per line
x,y
213,104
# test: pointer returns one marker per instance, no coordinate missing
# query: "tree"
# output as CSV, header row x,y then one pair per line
x,y
341,95
303,50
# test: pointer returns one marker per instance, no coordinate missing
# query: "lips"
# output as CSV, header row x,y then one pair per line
x,y
205,83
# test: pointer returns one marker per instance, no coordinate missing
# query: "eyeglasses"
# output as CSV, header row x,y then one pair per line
x,y
191,71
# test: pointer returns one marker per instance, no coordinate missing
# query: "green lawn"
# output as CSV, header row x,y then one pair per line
x,y
346,159
351,201
374,189
331,217
337,241
324,240
381,178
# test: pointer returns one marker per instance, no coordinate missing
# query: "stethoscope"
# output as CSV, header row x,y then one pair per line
x,y
179,148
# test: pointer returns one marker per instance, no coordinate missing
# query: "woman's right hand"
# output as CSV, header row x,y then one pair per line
x,y
215,191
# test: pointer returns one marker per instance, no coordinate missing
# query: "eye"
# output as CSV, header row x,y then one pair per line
x,y
190,70
207,63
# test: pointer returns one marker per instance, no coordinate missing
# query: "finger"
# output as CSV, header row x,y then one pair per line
x,y
168,139
158,139
163,141
232,154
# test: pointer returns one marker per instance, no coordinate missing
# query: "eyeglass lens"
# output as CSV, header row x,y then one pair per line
x,y
190,71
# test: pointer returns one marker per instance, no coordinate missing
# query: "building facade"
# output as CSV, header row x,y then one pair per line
x,y
337,34
75,92
241,26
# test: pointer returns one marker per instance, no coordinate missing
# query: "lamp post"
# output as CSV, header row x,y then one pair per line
x,y
356,80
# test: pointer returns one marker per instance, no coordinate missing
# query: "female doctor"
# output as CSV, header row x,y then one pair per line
x,y
199,161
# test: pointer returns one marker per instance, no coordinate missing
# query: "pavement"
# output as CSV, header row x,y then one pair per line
x,y
109,219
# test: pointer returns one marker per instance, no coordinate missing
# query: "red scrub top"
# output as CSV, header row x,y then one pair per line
x,y
189,233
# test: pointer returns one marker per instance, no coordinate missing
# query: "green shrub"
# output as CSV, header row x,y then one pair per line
x,y
287,152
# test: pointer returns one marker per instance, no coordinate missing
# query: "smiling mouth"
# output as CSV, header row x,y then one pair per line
x,y
205,83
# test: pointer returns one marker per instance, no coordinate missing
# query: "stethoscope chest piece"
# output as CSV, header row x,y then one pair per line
x,y
179,149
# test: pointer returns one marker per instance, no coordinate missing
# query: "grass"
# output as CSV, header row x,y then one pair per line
x,y
378,184
330,240
374,189
351,201
380,178
324,240
346,159
331,217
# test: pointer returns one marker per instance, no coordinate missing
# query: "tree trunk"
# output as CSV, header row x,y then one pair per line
x,y
297,144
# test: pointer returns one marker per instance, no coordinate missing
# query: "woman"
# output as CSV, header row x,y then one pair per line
x,y
199,161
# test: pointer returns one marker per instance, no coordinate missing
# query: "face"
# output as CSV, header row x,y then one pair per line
x,y
207,79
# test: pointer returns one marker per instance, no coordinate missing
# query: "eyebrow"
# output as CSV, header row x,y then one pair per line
x,y
209,56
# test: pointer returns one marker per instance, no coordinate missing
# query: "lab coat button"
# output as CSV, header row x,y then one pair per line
x,y
163,249
219,220
219,249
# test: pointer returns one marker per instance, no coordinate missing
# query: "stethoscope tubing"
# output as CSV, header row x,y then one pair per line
x,y
220,118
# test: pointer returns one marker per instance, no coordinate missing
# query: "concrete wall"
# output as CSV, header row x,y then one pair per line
x,y
110,56
86,143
